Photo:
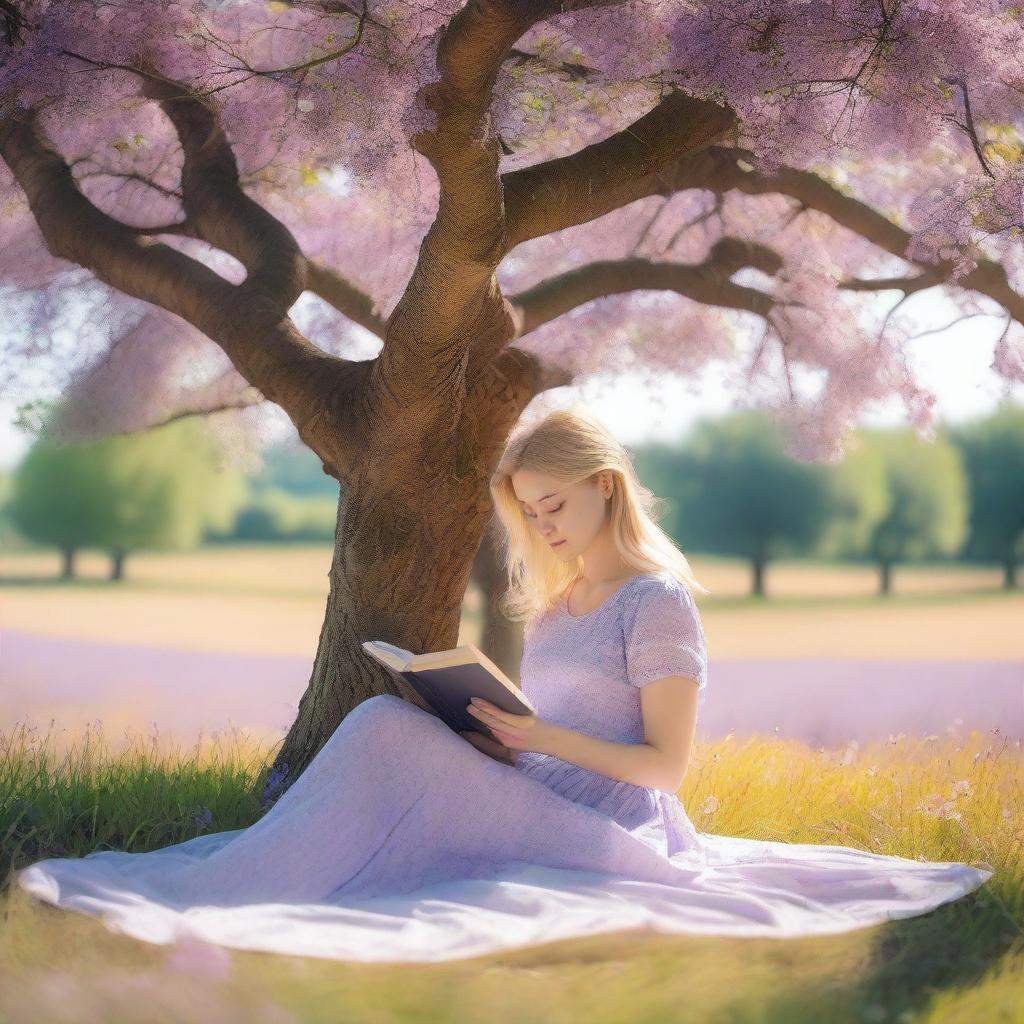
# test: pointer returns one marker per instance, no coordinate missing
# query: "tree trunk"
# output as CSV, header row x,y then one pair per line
x,y
885,577
757,577
1010,573
68,563
500,638
117,565
411,515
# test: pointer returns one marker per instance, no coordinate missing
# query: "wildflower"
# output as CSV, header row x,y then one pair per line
x,y
962,787
277,777
873,770
305,105
201,818
934,805
710,804
1006,814
930,738
850,753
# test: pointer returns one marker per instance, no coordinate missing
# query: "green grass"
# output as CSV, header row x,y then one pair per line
x,y
938,798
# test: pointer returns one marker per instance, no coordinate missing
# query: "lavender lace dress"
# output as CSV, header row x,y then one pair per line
x,y
402,842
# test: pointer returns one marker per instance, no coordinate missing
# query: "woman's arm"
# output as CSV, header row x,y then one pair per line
x,y
669,709
669,706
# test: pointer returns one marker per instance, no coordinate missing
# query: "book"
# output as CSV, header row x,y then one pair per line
x,y
447,680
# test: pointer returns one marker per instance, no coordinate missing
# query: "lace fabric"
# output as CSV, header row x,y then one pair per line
x,y
584,672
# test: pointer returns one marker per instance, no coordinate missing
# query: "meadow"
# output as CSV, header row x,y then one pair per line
x,y
933,797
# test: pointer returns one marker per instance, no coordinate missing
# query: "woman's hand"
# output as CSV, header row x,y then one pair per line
x,y
517,732
488,746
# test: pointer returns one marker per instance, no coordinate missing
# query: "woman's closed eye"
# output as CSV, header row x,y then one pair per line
x,y
551,512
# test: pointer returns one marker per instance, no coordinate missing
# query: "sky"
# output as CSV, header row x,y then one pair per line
x,y
953,364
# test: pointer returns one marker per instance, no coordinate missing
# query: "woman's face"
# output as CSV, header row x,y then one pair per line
x,y
569,517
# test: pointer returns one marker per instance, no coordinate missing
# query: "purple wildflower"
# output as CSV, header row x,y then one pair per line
x,y
274,783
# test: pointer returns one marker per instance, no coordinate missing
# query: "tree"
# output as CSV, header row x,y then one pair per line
x,y
993,454
56,495
741,494
860,499
158,489
926,507
506,196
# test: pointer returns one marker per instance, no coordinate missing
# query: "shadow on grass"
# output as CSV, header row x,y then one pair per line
x,y
912,960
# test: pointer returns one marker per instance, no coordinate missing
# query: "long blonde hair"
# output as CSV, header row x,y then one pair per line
x,y
571,445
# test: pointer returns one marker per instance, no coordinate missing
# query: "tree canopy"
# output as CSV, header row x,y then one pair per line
x,y
467,196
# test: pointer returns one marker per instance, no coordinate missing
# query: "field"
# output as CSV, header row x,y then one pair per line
x,y
265,600
937,798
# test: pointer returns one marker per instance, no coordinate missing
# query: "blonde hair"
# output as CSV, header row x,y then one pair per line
x,y
571,445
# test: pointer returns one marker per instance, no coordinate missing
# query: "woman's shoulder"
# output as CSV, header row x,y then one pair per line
x,y
658,595
659,582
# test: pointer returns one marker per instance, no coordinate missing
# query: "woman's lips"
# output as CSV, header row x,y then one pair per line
x,y
555,545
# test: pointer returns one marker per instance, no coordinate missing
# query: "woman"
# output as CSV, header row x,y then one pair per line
x,y
405,841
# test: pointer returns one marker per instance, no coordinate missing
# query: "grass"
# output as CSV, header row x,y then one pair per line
x,y
936,798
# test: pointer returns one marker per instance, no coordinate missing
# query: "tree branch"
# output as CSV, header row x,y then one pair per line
x,y
344,296
720,170
650,157
251,328
216,206
706,282
452,302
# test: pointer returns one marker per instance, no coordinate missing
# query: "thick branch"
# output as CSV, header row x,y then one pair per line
x,y
257,336
645,159
217,208
452,302
706,282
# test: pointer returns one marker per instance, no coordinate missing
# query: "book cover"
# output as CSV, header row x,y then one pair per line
x,y
447,680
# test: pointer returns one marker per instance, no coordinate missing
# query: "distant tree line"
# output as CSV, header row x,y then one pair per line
x,y
727,489
731,490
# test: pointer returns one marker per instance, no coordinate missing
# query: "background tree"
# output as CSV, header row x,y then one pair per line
x,y
56,497
926,501
289,498
155,490
275,515
502,196
860,499
744,496
993,455
668,469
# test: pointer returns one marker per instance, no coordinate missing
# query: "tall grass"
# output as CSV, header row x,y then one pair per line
x,y
946,798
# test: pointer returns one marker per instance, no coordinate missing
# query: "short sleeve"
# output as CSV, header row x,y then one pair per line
x,y
663,635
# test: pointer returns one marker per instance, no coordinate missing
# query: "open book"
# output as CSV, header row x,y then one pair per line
x,y
447,680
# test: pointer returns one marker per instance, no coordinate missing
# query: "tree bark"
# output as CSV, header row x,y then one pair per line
x,y
117,565
412,511
67,564
500,638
